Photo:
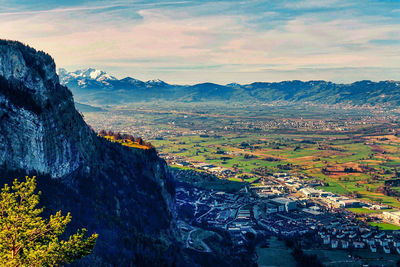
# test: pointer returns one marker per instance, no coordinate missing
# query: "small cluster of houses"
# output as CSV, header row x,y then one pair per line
x,y
351,235
213,169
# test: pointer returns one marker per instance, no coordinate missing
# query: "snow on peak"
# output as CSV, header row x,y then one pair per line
x,y
95,74
156,82
87,76
92,74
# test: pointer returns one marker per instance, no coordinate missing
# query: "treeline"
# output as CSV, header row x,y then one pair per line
x,y
16,92
30,56
387,191
302,259
263,171
121,137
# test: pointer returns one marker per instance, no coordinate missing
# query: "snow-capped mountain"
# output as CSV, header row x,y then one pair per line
x,y
156,82
86,78
96,87
97,79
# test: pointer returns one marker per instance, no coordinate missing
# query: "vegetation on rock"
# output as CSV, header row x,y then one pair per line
x,y
27,239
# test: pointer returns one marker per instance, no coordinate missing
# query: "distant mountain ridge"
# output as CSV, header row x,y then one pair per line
x,y
94,86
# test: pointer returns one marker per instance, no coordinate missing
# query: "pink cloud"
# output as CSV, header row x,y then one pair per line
x,y
76,37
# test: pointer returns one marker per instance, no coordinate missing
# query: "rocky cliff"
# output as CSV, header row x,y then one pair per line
x,y
126,195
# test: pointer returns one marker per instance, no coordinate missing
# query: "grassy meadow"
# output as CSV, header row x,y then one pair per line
x,y
348,165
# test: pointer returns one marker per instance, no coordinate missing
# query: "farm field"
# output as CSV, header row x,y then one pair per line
x,y
352,151
346,165
386,226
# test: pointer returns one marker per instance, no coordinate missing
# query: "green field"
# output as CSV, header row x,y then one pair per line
x,y
362,210
353,151
367,160
386,226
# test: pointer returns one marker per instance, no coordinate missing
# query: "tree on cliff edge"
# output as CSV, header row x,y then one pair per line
x,y
27,239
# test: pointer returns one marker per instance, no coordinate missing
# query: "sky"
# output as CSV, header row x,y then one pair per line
x,y
192,41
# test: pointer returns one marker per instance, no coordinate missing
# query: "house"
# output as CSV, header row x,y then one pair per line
x,y
358,244
341,236
327,239
372,248
352,235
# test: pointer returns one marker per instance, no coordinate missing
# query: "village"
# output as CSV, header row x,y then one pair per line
x,y
154,124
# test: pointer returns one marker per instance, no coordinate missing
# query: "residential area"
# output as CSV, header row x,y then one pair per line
x,y
277,209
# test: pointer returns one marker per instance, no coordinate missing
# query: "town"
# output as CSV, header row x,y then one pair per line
x,y
259,181
277,209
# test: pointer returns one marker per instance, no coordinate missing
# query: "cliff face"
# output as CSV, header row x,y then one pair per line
x,y
126,195
40,128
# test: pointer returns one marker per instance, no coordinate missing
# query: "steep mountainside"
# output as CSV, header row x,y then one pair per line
x,y
94,86
126,195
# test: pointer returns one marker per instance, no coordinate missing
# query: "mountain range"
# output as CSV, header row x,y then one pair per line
x,y
96,87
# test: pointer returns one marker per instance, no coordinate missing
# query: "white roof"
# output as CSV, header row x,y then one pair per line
x,y
395,212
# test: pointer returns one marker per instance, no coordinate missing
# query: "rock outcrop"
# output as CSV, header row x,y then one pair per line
x,y
125,195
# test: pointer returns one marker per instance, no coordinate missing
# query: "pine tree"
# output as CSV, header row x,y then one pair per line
x,y
27,239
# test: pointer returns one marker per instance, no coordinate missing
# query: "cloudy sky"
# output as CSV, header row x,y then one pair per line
x,y
189,41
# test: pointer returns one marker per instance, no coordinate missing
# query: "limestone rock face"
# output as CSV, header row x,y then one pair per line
x,y
36,115
125,195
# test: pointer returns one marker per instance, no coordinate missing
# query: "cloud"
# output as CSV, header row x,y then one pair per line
x,y
183,40
316,4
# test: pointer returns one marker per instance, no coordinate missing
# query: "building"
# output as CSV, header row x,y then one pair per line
x,y
342,202
393,216
282,174
310,192
349,203
243,214
311,211
284,204
268,208
325,194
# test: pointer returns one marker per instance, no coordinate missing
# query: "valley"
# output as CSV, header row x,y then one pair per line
x,y
242,159
352,152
